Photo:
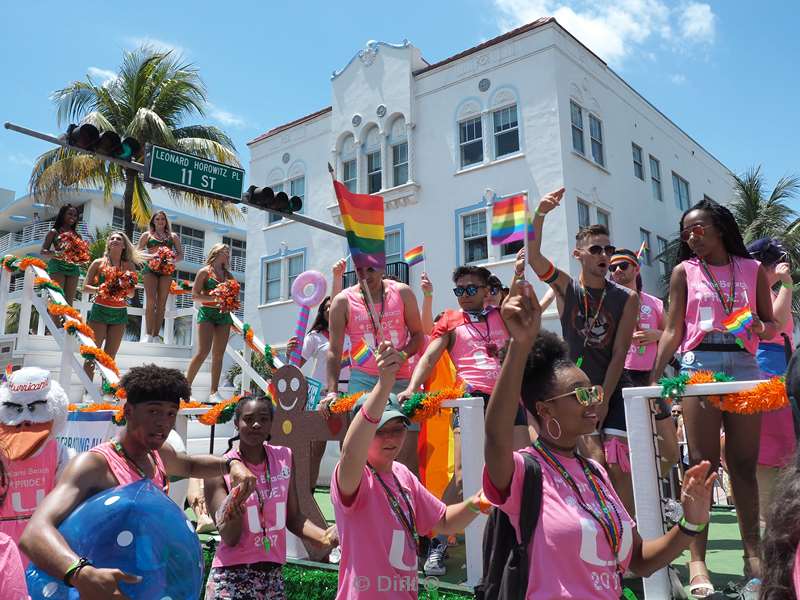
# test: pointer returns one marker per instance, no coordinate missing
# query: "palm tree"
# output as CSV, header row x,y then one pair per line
x,y
150,99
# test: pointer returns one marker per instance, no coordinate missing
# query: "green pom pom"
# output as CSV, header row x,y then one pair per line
x,y
226,414
413,404
671,387
245,328
722,377
268,356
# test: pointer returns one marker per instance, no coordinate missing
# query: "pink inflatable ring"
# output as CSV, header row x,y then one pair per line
x,y
313,279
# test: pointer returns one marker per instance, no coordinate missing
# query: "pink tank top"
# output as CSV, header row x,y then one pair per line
x,y
642,358
273,489
704,311
392,316
29,481
475,351
123,471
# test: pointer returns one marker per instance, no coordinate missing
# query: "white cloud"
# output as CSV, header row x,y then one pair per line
x,y
104,76
698,22
224,117
613,29
20,160
155,43
678,78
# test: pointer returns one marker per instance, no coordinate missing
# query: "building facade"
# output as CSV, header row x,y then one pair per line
x,y
530,110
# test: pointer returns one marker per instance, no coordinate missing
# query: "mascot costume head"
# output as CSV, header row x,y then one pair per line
x,y
33,409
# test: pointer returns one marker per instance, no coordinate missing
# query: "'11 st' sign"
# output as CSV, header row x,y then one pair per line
x,y
192,173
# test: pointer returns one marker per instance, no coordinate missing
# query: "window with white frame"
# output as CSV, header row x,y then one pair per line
x,y
238,252
603,218
506,131
190,237
394,246
470,139
279,275
576,116
596,135
349,174
584,217
399,163
638,161
680,188
476,243
655,178
297,187
272,218
662,259
511,248
644,237
374,172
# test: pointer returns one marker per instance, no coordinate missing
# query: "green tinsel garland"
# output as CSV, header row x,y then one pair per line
x,y
672,387
8,263
226,414
50,285
268,355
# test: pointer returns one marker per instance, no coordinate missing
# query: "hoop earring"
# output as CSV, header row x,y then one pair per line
x,y
550,433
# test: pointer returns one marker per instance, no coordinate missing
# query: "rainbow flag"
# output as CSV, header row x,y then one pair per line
x,y
738,321
642,249
361,353
362,217
414,256
345,362
509,216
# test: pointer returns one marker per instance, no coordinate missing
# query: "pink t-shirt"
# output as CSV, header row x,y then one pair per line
x,y
12,582
379,560
476,364
569,554
391,313
250,548
642,358
123,471
796,573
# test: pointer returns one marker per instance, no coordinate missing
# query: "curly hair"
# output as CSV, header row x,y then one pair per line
x,y
549,355
781,536
151,383
726,225
237,413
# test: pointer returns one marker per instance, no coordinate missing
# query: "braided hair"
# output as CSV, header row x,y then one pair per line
x,y
724,221
237,413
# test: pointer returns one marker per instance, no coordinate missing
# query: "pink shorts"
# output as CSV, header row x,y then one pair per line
x,y
616,452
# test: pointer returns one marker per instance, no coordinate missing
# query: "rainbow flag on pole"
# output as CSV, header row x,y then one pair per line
x,y
361,353
414,256
738,321
642,249
509,216
362,217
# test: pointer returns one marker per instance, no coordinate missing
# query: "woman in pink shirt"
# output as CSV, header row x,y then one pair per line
x,y
12,583
252,550
584,540
381,508
717,282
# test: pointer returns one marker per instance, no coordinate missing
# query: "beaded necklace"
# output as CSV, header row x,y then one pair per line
x,y
408,520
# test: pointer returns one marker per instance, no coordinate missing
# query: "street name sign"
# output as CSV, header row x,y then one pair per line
x,y
193,174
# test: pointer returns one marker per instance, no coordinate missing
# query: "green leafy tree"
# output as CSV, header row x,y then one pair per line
x,y
151,99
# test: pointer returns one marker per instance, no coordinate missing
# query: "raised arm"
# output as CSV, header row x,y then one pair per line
x,y
413,322
425,365
673,329
336,276
782,305
426,312
523,317
361,431
542,266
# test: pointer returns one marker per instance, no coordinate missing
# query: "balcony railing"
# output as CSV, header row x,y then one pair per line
x,y
397,270
34,234
194,254
238,263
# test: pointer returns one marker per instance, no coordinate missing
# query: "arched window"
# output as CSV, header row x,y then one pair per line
x,y
398,151
372,153
347,156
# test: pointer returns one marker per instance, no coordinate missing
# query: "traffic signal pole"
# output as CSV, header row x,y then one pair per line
x,y
59,141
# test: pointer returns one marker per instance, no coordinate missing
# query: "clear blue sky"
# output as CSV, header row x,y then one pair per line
x,y
724,71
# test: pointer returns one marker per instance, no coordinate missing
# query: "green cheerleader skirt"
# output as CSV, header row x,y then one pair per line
x,y
209,314
108,315
55,265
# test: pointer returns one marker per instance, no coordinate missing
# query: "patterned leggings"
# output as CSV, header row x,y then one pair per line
x,y
259,581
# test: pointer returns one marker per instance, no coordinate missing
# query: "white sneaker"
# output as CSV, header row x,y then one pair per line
x,y
145,339
215,398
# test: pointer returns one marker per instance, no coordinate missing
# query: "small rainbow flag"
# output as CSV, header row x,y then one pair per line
x,y
362,217
414,256
642,249
361,353
738,321
345,363
509,216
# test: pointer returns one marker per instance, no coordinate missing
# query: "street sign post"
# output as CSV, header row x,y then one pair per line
x,y
193,174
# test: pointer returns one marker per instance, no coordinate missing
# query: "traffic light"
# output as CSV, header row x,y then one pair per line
x,y
88,137
265,197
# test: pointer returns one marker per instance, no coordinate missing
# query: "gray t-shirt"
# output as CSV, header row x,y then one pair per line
x,y
587,337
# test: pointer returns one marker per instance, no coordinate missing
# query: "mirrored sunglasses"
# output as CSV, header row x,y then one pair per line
x,y
586,396
597,250
469,290
694,230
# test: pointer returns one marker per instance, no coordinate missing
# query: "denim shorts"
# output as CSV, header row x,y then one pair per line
x,y
364,382
739,364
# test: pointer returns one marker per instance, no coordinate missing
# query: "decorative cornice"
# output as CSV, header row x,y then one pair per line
x,y
368,54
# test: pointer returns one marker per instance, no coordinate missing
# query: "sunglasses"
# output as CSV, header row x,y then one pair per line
x,y
694,230
622,266
587,396
470,290
494,290
597,250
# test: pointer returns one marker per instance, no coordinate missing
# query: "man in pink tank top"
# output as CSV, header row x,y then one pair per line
x,y
398,317
153,397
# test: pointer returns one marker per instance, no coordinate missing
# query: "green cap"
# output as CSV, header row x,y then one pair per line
x,y
392,411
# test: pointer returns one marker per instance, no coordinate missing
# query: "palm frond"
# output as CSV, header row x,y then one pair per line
x,y
60,169
147,125
786,188
206,132
208,149
142,207
224,211
179,97
74,101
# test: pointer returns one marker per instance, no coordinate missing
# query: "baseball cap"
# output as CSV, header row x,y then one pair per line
x,y
768,251
392,411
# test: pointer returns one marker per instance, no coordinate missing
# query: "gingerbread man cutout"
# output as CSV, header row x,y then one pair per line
x,y
296,428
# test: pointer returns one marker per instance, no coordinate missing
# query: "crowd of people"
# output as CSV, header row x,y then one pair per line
x,y
556,400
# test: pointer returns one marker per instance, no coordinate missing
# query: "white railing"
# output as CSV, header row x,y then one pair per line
x,y
35,234
194,254
243,359
238,263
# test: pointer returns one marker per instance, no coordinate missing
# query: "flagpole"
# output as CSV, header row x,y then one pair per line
x,y
528,227
365,289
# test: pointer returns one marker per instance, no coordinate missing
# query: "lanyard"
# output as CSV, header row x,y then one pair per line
x,y
369,312
727,303
611,528
407,520
139,471
585,297
261,500
489,345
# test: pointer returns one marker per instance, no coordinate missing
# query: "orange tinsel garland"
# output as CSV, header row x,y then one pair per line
x,y
345,404
764,397
94,353
71,325
63,310
211,417
31,261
